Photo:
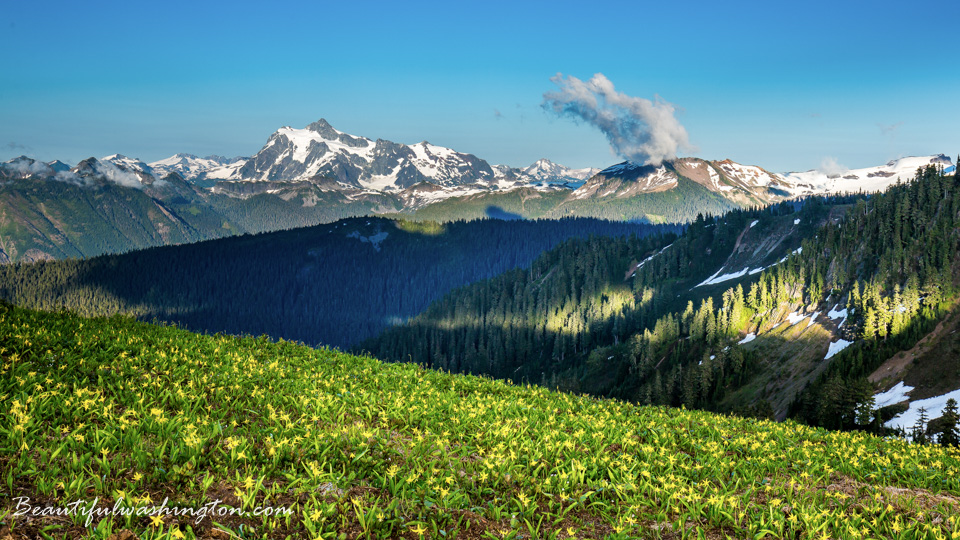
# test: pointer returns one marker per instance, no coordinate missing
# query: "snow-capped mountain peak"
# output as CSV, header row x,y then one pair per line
x,y
320,150
544,170
189,165
131,164
58,165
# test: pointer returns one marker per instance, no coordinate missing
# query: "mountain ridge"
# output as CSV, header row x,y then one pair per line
x,y
321,174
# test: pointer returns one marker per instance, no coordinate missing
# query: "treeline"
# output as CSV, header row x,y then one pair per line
x,y
333,284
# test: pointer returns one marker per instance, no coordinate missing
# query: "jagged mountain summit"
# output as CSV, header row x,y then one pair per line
x,y
319,150
423,173
114,169
354,162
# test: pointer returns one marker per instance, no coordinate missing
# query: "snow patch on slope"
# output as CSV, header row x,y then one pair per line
x,y
897,394
837,347
933,406
714,279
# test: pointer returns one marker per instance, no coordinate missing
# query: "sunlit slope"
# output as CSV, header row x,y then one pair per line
x,y
774,312
120,410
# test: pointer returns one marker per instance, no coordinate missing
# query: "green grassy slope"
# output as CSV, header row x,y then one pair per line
x,y
129,414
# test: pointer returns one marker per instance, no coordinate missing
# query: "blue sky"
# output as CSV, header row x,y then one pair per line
x,y
781,85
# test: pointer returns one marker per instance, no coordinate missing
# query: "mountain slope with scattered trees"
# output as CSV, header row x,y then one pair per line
x,y
706,322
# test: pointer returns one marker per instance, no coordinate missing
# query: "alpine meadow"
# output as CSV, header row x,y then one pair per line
x,y
464,271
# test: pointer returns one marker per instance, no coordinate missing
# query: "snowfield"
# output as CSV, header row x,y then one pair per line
x,y
932,406
836,347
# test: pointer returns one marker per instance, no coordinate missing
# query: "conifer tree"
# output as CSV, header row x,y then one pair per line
x,y
950,436
919,432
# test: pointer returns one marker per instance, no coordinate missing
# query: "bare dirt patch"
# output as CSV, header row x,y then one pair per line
x,y
928,365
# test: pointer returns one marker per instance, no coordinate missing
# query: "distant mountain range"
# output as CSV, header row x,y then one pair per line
x,y
320,174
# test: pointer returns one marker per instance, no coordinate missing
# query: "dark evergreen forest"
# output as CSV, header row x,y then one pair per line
x,y
333,284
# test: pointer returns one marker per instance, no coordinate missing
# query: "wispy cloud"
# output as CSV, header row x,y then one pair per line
x,y
17,146
889,129
639,130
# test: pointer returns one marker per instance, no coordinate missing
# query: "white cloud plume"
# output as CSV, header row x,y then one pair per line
x,y
69,177
830,167
28,167
639,130
118,176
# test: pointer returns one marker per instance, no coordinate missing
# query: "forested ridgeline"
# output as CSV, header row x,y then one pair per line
x,y
573,321
678,205
334,284
47,219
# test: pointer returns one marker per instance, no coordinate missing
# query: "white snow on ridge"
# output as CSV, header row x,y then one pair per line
x,y
302,138
933,406
648,259
752,225
619,167
429,156
747,339
714,279
192,166
715,180
381,182
838,314
226,172
130,164
868,179
749,174
837,347
813,318
795,317
892,396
